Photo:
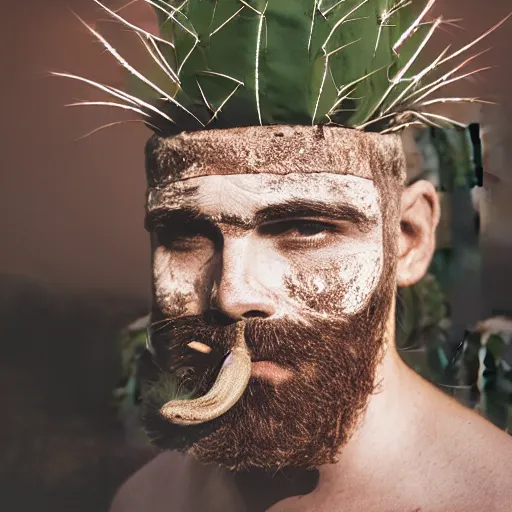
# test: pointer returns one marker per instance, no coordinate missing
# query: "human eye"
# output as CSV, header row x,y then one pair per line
x,y
184,239
299,233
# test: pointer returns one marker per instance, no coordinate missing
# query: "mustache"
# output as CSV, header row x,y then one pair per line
x,y
285,342
318,351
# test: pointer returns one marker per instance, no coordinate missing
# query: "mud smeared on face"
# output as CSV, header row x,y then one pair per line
x,y
302,422
339,288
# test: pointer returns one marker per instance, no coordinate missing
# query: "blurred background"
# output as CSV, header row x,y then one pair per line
x,y
74,264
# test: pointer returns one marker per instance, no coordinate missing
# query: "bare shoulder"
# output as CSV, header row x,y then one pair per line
x,y
174,482
489,453
485,442
474,456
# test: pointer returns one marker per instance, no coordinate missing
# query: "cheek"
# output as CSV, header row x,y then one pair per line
x,y
176,284
338,287
358,275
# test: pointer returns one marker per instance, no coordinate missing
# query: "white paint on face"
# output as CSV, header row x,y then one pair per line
x,y
174,287
364,268
320,284
295,267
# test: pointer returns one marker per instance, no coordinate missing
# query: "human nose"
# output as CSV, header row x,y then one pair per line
x,y
239,291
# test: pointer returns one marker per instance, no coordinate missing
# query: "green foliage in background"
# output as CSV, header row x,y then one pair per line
x,y
131,343
454,149
475,372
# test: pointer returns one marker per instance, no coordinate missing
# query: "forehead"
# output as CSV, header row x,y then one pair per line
x,y
244,194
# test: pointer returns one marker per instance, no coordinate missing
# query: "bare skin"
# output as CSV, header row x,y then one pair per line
x,y
415,449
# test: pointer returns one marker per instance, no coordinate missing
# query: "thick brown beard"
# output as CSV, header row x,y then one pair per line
x,y
301,423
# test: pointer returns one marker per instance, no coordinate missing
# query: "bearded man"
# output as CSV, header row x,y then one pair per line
x,y
280,230
305,264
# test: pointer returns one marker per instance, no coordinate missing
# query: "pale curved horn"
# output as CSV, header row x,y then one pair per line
x,y
231,382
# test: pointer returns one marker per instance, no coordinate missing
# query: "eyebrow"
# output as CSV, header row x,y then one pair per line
x,y
294,208
170,217
315,209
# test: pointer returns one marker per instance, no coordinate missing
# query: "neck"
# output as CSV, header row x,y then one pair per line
x,y
374,462
384,434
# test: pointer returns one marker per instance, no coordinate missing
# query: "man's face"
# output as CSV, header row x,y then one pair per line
x,y
294,247
301,259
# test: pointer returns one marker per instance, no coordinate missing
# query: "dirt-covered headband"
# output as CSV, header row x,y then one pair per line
x,y
274,150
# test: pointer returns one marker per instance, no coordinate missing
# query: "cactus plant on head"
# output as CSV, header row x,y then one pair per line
x,y
230,63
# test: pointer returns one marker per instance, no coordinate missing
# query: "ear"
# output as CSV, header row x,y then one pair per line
x,y
419,217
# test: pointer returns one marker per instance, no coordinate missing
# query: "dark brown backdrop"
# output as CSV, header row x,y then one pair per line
x,y
72,237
